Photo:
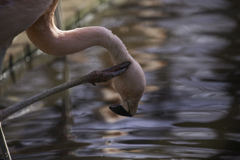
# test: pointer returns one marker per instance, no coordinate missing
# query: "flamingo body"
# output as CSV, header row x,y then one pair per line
x,y
18,15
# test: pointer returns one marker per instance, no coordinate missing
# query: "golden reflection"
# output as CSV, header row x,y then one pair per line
x,y
116,151
77,58
110,94
151,88
151,14
149,62
155,34
136,151
150,3
14,98
124,29
107,115
112,150
114,134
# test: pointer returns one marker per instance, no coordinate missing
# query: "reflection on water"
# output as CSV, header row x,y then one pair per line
x,y
189,51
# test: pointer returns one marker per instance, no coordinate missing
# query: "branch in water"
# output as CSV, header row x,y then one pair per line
x,y
96,76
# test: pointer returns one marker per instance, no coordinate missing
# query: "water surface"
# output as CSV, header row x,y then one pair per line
x,y
189,51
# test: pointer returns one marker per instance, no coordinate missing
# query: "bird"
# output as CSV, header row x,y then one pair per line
x,y
37,19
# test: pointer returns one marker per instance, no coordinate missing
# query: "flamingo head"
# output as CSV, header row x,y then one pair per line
x,y
130,85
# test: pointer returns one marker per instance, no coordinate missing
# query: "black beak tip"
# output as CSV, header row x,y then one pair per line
x,y
118,109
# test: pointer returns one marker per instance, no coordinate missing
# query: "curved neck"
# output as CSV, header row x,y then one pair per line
x,y
47,37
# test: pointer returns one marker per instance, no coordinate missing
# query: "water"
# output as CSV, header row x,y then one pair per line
x,y
189,51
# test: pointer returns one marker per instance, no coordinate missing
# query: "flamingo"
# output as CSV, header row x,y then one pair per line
x,y
37,19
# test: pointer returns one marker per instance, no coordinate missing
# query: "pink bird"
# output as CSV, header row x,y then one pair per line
x,y
37,18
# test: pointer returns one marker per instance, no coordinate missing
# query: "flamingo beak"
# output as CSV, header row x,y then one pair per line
x,y
118,109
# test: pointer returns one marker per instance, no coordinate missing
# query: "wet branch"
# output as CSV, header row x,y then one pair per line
x,y
96,76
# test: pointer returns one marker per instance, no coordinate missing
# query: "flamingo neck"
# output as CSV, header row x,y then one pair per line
x,y
47,37
111,42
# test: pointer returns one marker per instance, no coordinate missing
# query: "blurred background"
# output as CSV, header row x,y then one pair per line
x,y
190,53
